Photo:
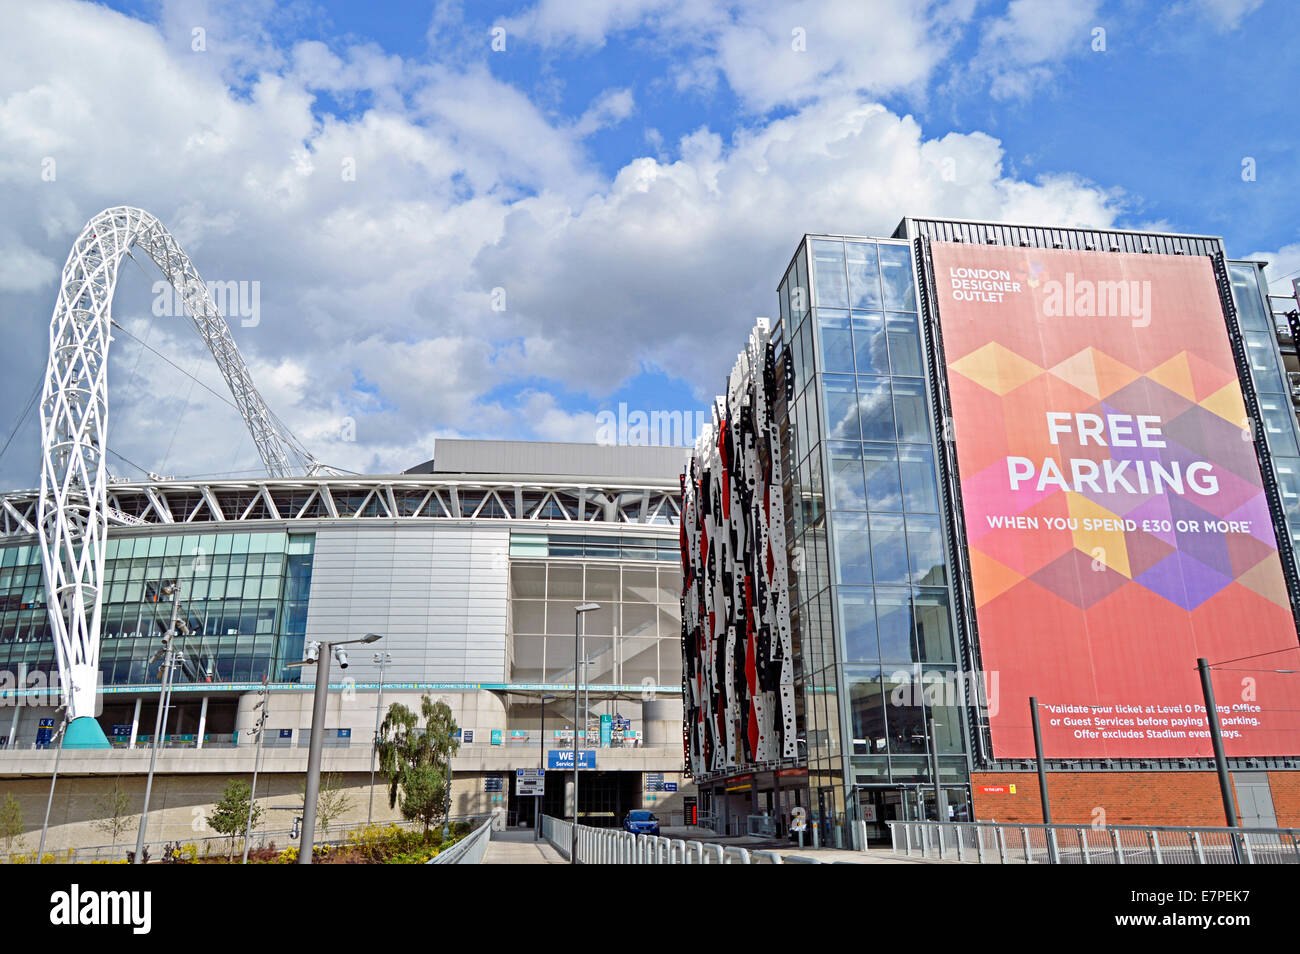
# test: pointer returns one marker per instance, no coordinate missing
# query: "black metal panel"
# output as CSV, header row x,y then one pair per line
x,y
950,494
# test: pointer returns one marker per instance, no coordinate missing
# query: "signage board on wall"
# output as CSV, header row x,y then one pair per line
x,y
1114,511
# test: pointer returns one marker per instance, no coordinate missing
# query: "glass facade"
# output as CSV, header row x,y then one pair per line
x,y
870,586
244,595
633,639
1271,385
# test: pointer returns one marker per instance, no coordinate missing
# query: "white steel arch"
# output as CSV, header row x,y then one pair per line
x,y
72,514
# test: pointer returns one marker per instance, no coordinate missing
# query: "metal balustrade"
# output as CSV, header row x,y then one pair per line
x,y
608,846
997,843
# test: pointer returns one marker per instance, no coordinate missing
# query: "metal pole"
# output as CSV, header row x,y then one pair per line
x,y
577,689
1220,757
45,826
164,693
934,767
374,746
319,700
1042,779
541,766
257,757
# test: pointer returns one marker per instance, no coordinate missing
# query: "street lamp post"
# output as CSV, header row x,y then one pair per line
x,y
160,721
1220,756
541,766
577,694
257,730
1050,836
320,697
49,802
383,659
934,767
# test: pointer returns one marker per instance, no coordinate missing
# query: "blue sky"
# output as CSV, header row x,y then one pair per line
x,y
629,178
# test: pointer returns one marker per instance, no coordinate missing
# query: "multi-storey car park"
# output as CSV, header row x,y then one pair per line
x,y
973,463
469,567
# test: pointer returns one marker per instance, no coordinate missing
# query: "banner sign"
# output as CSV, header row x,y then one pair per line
x,y
1114,511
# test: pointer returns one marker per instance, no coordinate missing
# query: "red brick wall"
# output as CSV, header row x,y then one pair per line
x,y
1127,798
1286,797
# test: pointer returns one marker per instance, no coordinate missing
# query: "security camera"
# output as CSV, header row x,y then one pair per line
x,y
311,652
342,657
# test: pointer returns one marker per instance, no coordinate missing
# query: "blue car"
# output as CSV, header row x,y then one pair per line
x,y
641,823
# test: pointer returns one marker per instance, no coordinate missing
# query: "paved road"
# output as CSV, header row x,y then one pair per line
x,y
519,848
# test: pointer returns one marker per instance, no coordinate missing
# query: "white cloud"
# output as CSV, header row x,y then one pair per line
x,y
670,263
1283,268
376,289
1226,15
772,53
1023,49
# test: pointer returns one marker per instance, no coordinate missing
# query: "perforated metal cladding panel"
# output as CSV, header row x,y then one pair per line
x,y
736,639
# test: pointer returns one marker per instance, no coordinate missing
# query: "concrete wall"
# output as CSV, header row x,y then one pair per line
x,y
436,592
180,805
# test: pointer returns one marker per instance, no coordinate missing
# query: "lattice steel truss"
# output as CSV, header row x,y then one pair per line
x,y
72,513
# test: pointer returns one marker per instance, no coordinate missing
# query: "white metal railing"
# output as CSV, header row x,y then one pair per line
x,y
611,846
469,850
997,843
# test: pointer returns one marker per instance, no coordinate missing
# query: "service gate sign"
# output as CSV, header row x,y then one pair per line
x,y
1113,505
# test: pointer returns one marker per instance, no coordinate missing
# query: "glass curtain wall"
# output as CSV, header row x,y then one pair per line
x,y
244,595
1268,373
885,585
633,639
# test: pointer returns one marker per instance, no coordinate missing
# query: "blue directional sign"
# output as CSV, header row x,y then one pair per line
x,y
563,759
670,786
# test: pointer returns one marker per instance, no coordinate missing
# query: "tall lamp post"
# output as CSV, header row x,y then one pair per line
x,y
577,694
541,766
1050,832
382,660
318,651
168,656
258,729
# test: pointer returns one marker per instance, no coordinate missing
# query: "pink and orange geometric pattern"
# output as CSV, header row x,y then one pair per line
x,y
1100,597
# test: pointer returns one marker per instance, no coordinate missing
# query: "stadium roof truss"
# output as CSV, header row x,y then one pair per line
x,y
161,503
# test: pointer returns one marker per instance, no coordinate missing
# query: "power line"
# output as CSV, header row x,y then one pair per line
x,y
164,357
22,419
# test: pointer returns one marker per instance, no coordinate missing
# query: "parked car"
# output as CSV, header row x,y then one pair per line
x,y
641,823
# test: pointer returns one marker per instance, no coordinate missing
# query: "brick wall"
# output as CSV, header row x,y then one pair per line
x,y
1126,798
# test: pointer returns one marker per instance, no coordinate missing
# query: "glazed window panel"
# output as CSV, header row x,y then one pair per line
x,y
828,271
864,275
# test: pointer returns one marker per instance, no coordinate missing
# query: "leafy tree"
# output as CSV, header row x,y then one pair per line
x,y
115,813
11,823
231,813
417,762
332,802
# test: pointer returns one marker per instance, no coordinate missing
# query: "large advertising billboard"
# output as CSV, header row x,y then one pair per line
x,y
1113,506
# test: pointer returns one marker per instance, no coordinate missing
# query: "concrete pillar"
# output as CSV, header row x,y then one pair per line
x,y
13,726
661,722
135,722
203,722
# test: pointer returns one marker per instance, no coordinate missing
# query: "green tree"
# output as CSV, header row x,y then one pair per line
x,y
417,761
332,802
231,813
114,811
11,824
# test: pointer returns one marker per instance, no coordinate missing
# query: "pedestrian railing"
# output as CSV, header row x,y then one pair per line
x,y
605,846
1000,843
470,849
